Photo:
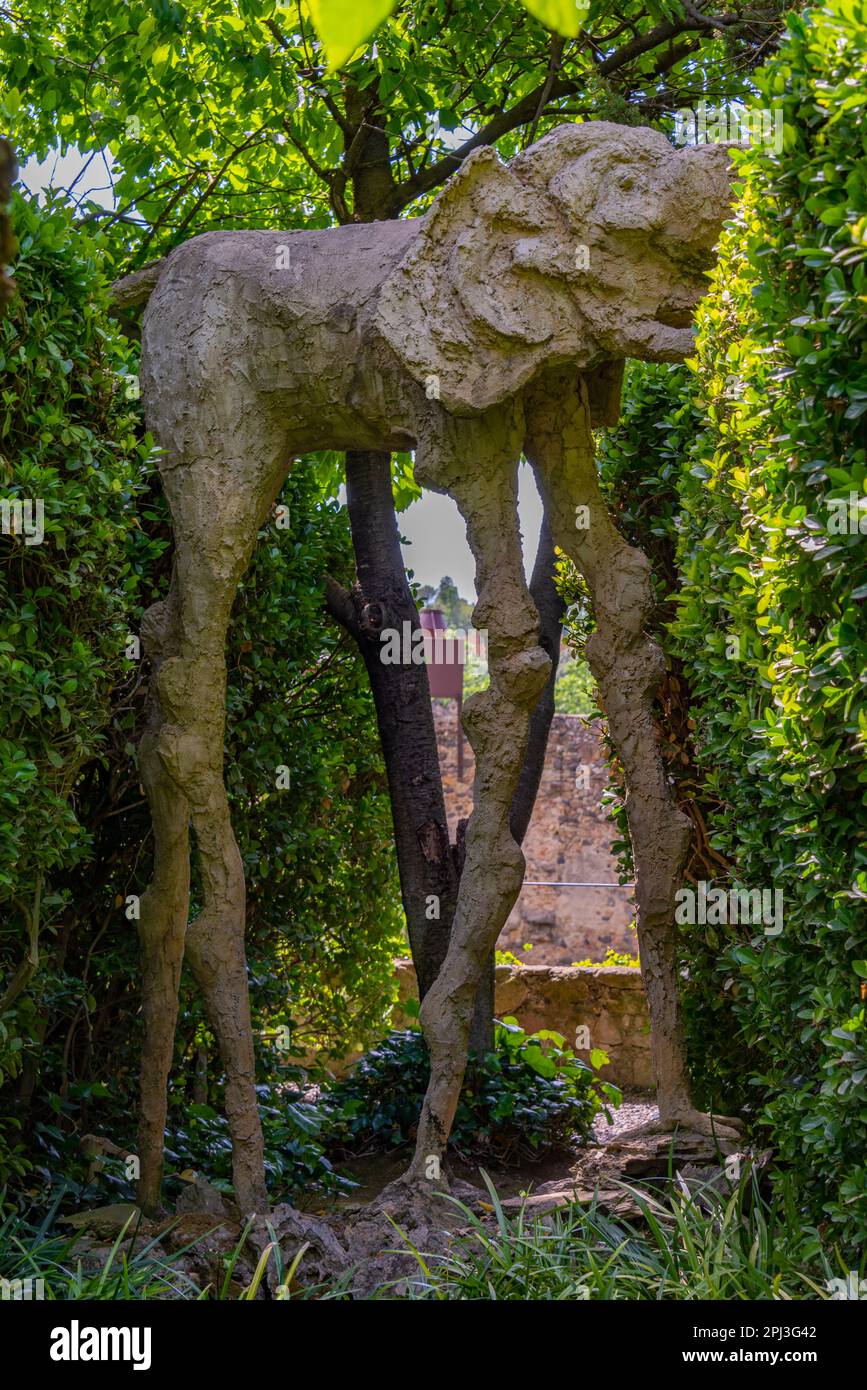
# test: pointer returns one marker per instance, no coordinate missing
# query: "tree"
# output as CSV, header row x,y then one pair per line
x,y
229,118
457,612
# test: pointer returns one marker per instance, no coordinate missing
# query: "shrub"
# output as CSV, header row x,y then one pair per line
x,y
68,444
769,625
325,919
621,959
68,441
527,1098
295,1161
782,368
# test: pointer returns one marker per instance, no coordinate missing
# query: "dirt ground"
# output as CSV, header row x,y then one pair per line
x,y
578,1166
353,1236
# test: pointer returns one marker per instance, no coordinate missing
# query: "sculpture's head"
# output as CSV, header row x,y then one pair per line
x,y
591,246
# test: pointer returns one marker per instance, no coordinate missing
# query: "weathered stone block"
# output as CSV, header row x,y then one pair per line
x,y
608,1000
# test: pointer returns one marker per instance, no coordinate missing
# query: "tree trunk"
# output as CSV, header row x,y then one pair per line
x,y
427,864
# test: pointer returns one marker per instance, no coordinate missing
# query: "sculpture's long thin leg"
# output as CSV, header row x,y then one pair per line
x,y
497,723
193,689
218,504
215,940
162,913
627,666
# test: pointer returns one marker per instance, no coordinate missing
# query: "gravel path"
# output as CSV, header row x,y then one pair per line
x,y
635,1110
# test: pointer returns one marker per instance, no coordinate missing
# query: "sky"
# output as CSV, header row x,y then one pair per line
x,y
437,536
432,527
61,171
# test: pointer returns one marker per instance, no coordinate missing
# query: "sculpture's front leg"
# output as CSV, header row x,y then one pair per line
x,y
627,666
476,463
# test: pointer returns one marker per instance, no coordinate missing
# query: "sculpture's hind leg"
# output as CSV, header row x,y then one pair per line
x,y
215,534
163,910
215,940
627,666
217,507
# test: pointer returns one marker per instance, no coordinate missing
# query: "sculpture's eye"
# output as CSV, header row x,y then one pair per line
x,y
627,182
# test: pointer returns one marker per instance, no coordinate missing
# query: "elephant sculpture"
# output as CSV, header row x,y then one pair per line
x,y
495,325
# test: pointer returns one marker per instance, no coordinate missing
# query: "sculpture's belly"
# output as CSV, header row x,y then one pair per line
x,y
285,316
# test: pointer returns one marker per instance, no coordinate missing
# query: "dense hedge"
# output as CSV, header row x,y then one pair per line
x,y
324,911
67,443
769,628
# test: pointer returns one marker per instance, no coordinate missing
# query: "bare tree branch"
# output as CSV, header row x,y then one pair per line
x,y
338,602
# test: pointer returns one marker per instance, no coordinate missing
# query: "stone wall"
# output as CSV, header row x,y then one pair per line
x,y
569,840
608,1001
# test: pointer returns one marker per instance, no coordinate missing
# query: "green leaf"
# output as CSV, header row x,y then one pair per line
x,y
798,345
566,17
536,1059
145,29
344,25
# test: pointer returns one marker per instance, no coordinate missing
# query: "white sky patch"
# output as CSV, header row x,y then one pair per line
x,y
437,538
87,175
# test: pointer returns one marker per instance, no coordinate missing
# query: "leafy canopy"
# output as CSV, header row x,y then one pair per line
x,y
226,115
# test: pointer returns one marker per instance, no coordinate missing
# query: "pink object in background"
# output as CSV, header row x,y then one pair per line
x,y
444,657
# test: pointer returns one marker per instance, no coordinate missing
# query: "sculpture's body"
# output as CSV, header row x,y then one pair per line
x,y
484,330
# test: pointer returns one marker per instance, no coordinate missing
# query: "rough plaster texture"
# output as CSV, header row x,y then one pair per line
x,y
469,335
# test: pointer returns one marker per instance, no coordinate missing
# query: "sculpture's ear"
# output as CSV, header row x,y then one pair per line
x,y
477,303
604,390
